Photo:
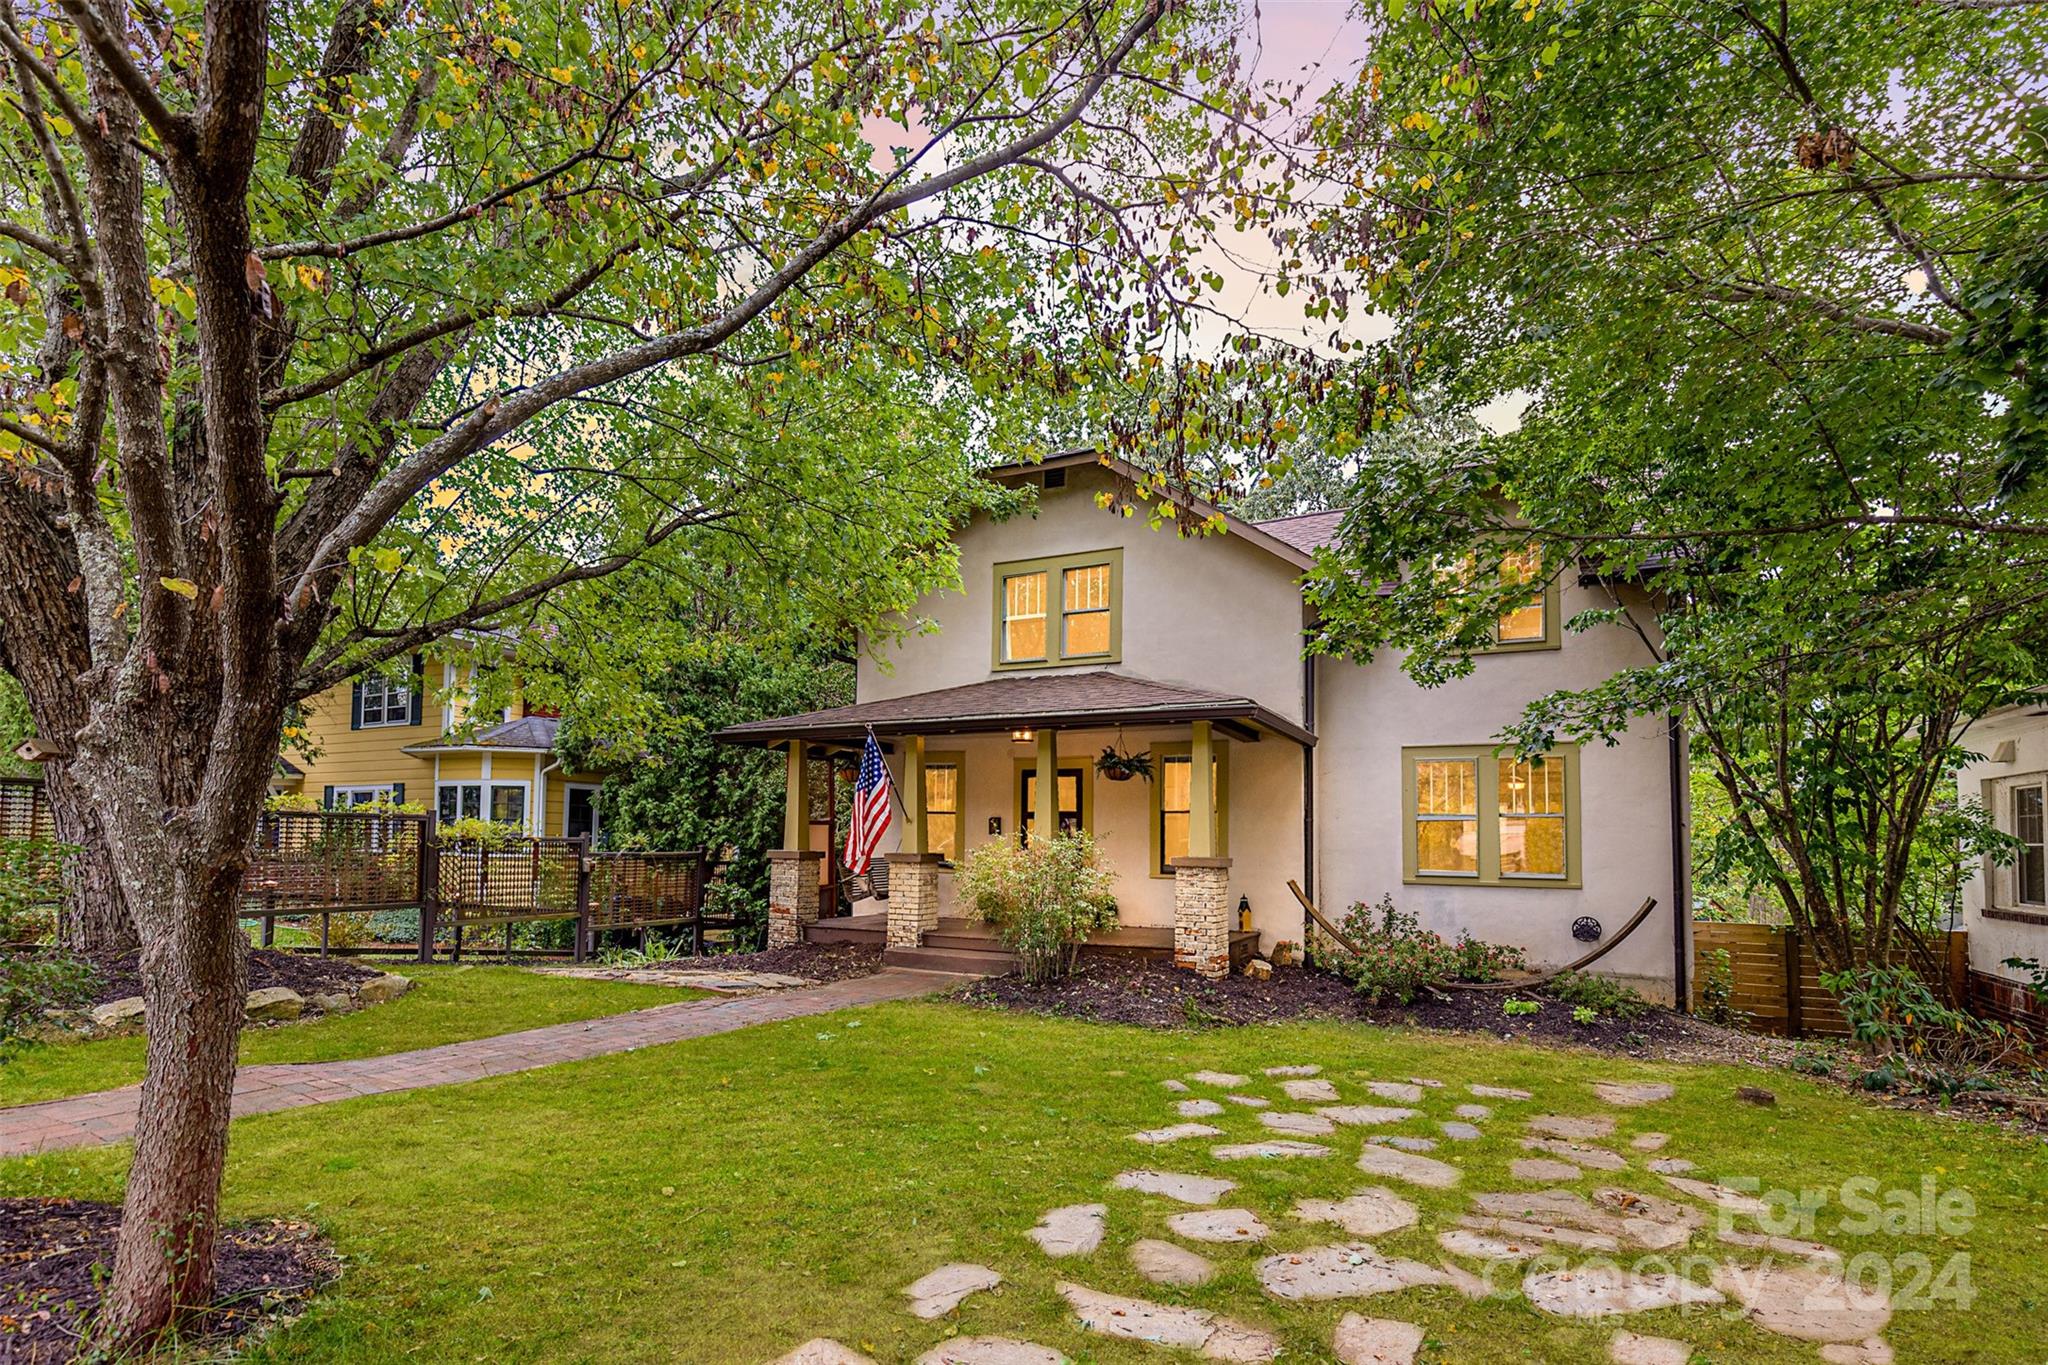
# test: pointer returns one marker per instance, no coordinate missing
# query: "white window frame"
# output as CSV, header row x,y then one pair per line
x,y
485,786
596,812
374,790
2039,786
390,696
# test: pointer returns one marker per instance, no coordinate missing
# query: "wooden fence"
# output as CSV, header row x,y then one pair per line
x,y
1776,976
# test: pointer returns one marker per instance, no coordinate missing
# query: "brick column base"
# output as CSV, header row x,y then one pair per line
x,y
1201,916
792,894
913,897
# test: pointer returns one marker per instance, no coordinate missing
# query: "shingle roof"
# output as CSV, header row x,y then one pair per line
x,y
1308,532
1059,700
527,732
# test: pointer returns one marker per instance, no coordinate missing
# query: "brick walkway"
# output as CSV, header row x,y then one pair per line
x,y
109,1115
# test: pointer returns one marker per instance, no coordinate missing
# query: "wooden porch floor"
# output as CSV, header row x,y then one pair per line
x,y
971,945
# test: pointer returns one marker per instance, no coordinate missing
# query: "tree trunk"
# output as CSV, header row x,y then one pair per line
x,y
95,918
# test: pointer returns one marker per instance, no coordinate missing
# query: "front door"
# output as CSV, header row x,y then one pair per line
x,y
1069,802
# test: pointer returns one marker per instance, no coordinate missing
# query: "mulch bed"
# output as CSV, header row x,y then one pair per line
x,y
812,961
120,975
1158,995
55,1252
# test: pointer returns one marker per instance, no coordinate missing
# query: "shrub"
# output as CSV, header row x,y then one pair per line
x,y
1478,960
1600,995
1515,1008
1397,957
1585,1014
1717,990
33,982
31,888
1044,898
1902,1024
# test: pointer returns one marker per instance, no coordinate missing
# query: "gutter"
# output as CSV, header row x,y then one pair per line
x,y
1308,793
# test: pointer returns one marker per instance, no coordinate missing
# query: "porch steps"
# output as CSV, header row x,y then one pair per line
x,y
970,960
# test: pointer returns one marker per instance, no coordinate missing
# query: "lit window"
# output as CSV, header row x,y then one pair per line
x,y
1024,617
942,809
2030,872
1531,819
1529,623
1173,788
1447,817
1084,611
1069,800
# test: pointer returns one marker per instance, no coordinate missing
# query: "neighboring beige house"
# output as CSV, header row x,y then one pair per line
x,y
385,737
2005,908
1079,628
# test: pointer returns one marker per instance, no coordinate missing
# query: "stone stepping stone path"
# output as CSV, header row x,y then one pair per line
x,y
1809,1302
1365,1115
1649,1142
1074,1230
940,1292
1297,1123
1188,1189
1517,1230
1475,1112
1166,1263
1425,1082
1219,1225
1631,1348
1177,1132
1248,1101
823,1351
1353,1271
1622,1215
1783,1246
1276,1148
1606,1291
1294,1071
990,1351
1406,1144
1629,1094
1478,1246
1671,1165
1192,1329
1875,1351
1178,1087
1542,1169
1499,1092
1559,1126
1369,1213
1578,1153
1223,1079
1376,1341
1197,1109
1733,1200
1466,1283
1408,1092
1416,1170
1457,1130
1309,1091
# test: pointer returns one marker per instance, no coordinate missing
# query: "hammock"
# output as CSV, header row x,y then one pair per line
x,y
1520,983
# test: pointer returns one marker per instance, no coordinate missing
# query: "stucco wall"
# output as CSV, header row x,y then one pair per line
x,y
1987,780
1368,713
1214,612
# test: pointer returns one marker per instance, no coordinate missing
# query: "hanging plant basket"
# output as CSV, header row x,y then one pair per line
x,y
1118,766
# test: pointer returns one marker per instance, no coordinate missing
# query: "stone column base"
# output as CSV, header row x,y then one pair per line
x,y
1201,916
792,894
913,897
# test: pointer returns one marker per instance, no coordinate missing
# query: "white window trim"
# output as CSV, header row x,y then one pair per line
x,y
390,691
375,790
486,784
2038,783
596,813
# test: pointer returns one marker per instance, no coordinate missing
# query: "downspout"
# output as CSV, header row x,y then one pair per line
x,y
1308,789
1681,903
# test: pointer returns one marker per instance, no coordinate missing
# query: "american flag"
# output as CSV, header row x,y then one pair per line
x,y
871,813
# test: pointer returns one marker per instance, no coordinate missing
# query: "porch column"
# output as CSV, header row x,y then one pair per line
x,y
793,869
913,897
1045,791
914,835
1201,792
1201,913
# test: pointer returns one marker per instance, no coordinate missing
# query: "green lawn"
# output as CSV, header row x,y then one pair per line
x,y
449,1004
726,1198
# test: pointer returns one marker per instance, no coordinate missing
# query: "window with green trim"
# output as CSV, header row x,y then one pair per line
x,y
1475,815
1173,799
942,805
1061,610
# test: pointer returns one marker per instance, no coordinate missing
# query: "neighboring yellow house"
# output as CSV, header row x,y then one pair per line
x,y
383,737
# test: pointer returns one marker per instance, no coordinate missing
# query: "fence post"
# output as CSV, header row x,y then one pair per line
x,y
429,888
1795,1023
582,895
1959,970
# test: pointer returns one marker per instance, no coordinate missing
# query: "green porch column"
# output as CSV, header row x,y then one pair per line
x,y
915,836
1201,792
1045,792
796,812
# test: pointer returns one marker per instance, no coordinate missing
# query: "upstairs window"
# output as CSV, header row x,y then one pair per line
x,y
1528,624
1061,610
383,702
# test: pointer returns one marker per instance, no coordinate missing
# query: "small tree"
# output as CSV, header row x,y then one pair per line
x,y
1044,898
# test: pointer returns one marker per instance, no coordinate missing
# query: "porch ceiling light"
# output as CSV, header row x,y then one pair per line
x,y
1023,736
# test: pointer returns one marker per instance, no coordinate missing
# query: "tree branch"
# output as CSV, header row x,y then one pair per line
x,y
176,130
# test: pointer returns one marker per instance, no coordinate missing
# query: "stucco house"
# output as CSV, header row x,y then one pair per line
x,y
1079,628
384,736
2005,907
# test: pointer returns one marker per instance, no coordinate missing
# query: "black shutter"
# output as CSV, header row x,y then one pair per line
x,y
397,793
419,689
327,798
355,706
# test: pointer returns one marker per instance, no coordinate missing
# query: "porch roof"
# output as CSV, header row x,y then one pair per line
x,y
1058,701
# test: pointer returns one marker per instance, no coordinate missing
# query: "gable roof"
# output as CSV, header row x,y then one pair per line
x,y
1307,532
1072,700
527,734
1255,533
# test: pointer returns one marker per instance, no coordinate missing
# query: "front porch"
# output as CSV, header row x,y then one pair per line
x,y
968,945
968,765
